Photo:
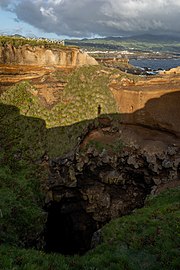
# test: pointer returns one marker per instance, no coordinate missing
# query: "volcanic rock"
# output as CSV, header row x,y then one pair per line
x,y
39,55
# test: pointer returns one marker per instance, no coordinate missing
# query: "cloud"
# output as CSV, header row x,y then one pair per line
x,y
81,18
5,3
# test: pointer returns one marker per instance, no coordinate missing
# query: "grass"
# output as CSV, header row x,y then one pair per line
x,y
21,195
153,229
17,41
148,239
86,89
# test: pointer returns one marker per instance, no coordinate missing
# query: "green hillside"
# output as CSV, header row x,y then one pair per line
x,y
132,43
86,88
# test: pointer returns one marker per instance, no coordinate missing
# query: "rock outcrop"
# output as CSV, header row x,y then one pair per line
x,y
39,55
171,71
104,178
149,102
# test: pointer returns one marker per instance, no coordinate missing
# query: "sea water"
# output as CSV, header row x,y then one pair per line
x,y
156,64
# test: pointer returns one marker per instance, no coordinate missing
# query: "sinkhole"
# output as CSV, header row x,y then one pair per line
x,y
69,228
75,214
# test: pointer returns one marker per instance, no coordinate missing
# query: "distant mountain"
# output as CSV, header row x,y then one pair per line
x,y
156,38
17,35
143,38
146,42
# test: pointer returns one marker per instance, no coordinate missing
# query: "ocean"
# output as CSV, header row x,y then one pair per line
x,y
156,64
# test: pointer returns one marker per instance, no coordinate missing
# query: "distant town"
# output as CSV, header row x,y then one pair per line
x,y
40,39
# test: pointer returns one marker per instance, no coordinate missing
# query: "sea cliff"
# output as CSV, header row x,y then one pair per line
x,y
40,55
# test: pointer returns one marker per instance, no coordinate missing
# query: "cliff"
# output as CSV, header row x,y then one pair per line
x,y
152,102
40,55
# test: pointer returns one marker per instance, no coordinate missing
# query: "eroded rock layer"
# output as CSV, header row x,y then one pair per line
x,y
152,102
39,55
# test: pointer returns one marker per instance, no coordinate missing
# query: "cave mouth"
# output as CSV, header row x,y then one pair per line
x,y
69,229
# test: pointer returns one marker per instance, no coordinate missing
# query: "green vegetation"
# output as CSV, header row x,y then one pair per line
x,y
21,196
149,43
151,234
24,140
148,239
86,89
21,97
22,217
18,41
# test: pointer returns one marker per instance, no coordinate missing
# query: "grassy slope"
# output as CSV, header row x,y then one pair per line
x,y
85,90
21,198
87,87
147,239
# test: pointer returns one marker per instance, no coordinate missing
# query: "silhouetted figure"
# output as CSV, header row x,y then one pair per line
x,y
99,109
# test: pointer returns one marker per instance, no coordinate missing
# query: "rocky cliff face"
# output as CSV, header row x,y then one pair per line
x,y
150,102
39,55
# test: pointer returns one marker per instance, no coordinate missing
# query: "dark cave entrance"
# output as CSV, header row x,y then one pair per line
x,y
73,217
69,228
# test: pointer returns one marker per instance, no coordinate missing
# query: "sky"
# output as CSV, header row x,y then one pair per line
x,y
89,18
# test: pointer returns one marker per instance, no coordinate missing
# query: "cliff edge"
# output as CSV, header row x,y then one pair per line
x,y
40,55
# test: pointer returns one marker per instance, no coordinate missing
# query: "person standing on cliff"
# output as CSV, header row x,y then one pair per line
x,y
99,109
